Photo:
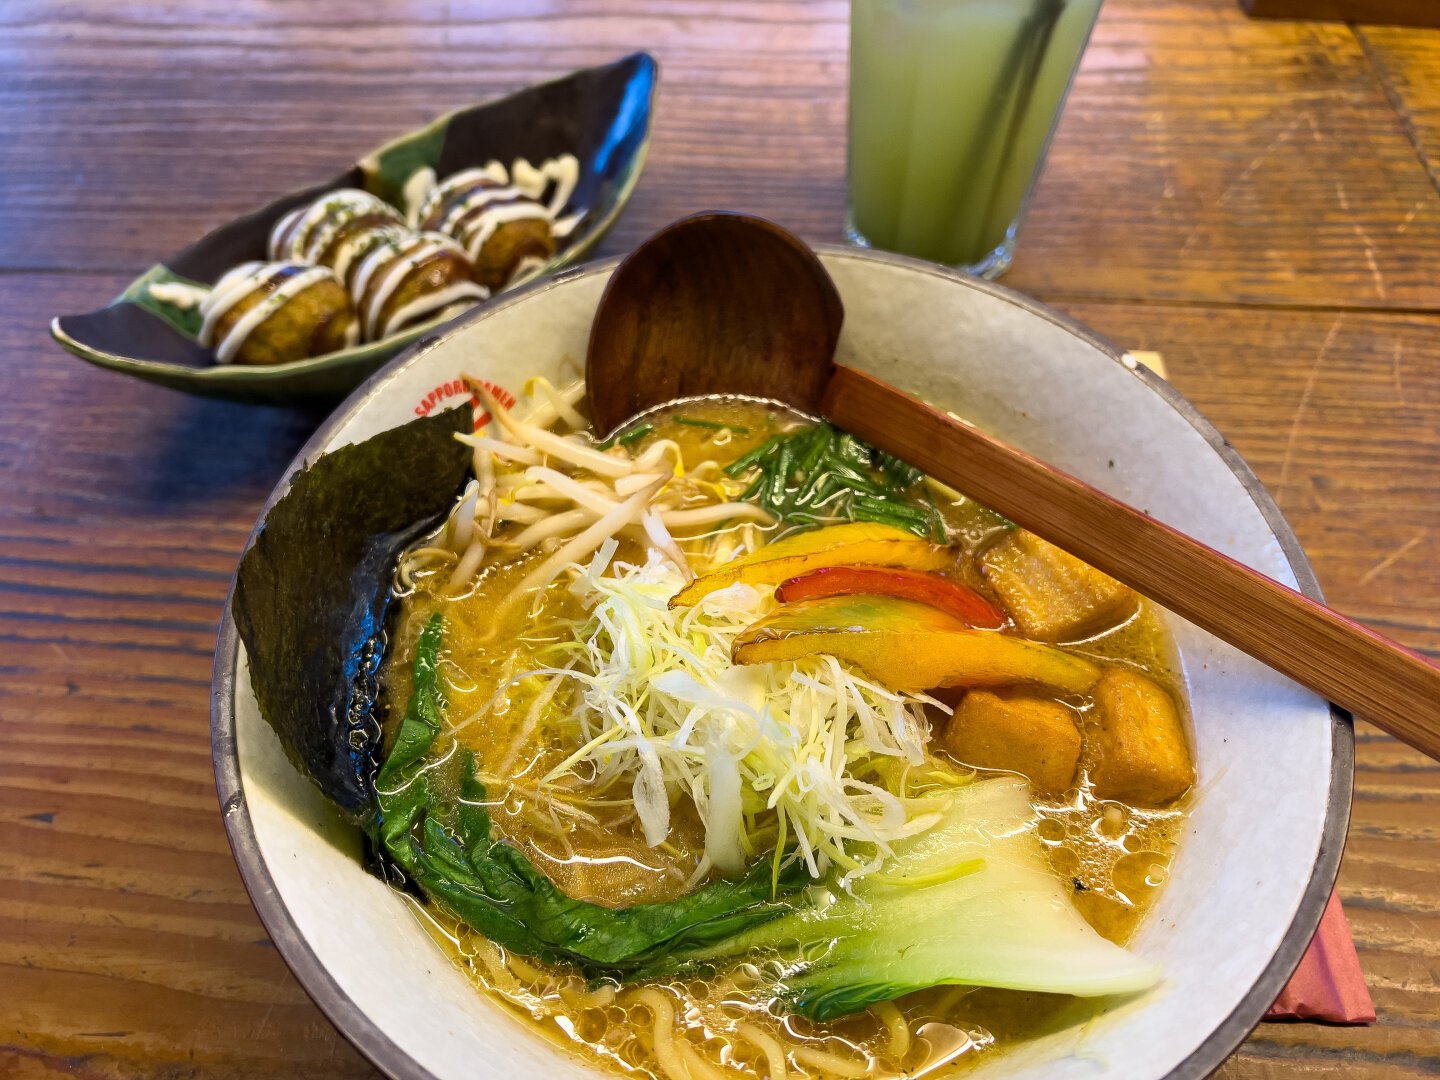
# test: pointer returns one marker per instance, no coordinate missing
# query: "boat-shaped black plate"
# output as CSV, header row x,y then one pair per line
x,y
600,114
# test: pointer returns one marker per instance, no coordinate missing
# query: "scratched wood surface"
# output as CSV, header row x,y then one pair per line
x,y
1408,62
1256,200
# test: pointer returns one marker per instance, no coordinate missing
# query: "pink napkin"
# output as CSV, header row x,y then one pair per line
x,y
1328,985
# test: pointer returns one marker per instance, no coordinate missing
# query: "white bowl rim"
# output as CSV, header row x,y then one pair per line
x,y
367,1037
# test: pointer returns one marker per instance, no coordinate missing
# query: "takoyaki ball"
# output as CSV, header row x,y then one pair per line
x,y
501,229
406,281
328,231
515,247
360,247
273,313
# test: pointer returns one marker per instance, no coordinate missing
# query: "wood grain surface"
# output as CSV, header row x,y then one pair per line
x,y
1255,199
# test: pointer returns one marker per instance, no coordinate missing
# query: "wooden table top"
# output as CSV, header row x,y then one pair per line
x,y
1256,200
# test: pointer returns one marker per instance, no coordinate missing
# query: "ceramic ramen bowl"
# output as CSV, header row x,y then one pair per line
x,y
1263,840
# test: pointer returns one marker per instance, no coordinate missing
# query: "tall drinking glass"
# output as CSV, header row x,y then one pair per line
x,y
952,105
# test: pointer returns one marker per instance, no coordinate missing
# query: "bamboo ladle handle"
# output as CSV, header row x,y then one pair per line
x,y
1375,678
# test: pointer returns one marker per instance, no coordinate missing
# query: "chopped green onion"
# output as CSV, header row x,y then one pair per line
x,y
853,452
899,471
937,522
818,487
713,425
745,461
819,443
860,513
844,472
881,506
855,483
780,478
635,435
819,475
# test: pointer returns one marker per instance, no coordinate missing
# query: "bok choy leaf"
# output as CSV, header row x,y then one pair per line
x,y
972,901
433,825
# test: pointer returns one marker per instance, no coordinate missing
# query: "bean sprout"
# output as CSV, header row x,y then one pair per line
x,y
537,489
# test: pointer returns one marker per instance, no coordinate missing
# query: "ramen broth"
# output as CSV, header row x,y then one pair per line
x,y
1114,857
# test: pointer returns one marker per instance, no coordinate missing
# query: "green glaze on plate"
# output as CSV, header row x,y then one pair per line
x,y
601,115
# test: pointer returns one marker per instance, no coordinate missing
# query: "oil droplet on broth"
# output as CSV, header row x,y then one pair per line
x,y
1050,831
940,1045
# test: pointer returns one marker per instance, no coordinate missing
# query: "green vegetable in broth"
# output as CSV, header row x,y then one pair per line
x,y
972,901
434,826
820,475
711,425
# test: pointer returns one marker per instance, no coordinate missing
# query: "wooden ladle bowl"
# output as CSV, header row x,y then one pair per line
x,y
714,304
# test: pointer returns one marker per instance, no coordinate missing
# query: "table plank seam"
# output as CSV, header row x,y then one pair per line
x,y
1397,103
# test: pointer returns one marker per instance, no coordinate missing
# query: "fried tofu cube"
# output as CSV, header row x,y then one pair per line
x,y
1052,595
1141,754
1016,732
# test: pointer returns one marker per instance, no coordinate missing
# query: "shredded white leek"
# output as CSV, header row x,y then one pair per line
x,y
660,708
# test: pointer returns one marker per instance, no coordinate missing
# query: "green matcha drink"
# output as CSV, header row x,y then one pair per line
x,y
952,103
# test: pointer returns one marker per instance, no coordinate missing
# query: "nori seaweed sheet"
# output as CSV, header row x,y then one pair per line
x,y
313,590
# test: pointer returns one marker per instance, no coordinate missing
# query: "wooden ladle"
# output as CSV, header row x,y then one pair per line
x,y
729,304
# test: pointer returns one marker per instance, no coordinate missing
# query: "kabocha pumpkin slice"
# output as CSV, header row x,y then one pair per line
x,y
908,646
939,592
860,543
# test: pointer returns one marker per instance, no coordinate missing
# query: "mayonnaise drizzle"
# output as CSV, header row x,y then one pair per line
x,y
363,242
482,226
320,221
236,283
240,283
338,218
563,171
281,228
301,237
563,227
417,189
377,257
422,305
477,200
398,262
514,196
405,261
178,295
526,266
